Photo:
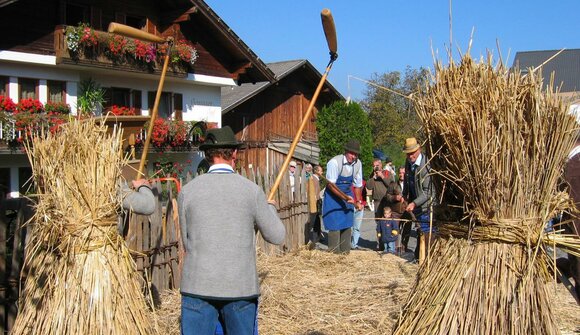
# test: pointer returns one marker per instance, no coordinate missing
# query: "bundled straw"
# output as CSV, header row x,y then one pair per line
x,y
81,278
498,144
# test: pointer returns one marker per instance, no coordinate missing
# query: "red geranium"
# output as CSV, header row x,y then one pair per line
x,y
178,133
89,37
29,106
122,110
6,104
160,132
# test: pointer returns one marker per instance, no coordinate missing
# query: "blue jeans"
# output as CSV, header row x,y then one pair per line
x,y
357,221
423,220
390,247
200,316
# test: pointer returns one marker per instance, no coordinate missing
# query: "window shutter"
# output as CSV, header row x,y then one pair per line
x,y
178,105
136,97
96,18
120,18
108,96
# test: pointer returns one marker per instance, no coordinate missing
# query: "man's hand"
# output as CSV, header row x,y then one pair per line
x,y
399,198
140,182
359,206
410,207
350,200
380,174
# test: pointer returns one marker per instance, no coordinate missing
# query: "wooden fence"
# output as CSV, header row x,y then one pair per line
x,y
154,240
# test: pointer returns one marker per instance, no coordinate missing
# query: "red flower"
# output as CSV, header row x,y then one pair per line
x,y
122,110
6,104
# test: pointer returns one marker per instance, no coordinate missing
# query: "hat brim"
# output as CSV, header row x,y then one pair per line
x,y
411,149
238,145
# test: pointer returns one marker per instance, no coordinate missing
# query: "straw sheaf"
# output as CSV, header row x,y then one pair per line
x,y
80,278
497,143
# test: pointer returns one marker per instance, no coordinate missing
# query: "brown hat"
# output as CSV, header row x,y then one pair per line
x,y
352,146
411,145
221,138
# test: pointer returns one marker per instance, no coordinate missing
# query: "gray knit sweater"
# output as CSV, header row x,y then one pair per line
x,y
218,215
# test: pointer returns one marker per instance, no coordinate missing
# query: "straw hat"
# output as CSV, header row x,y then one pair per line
x,y
221,138
293,163
411,145
352,146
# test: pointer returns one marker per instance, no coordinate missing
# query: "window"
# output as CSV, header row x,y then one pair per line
x,y
4,86
4,182
56,91
178,106
25,179
122,97
170,105
138,22
76,14
28,88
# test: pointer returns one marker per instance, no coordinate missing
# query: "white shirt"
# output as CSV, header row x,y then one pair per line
x,y
332,170
220,166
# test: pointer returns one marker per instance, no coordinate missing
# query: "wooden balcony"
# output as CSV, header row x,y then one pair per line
x,y
100,57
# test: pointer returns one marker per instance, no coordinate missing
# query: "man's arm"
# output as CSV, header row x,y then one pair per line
x,y
358,195
426,186
182,221
141,201
267,220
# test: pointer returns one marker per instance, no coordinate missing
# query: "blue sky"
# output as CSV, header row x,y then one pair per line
x,y
377,36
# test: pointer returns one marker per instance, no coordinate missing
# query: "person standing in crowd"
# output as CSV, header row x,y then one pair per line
x,y
308,170
357,220
418,190
218,214
291,172
342,172
405,224
387,230
313,192
390,169
377,184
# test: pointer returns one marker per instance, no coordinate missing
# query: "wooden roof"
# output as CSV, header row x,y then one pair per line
x,y
565,66
234,96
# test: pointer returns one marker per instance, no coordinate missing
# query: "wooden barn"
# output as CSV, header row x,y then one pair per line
x,y
266,115
50,48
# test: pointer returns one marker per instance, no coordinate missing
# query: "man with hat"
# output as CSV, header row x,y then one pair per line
x,y
219,213
342,172
291,173
418,188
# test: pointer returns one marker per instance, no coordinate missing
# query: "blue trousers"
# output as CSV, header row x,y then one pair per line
x,y
202,317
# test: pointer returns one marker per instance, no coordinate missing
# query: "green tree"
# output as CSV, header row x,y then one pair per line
x,y
340,122
391,113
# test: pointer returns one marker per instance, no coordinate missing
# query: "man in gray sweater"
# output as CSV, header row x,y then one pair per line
x,y
219,213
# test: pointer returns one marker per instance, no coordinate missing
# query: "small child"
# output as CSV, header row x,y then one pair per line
x,y
387,231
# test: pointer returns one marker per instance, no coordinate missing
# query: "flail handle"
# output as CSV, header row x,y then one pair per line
x,y
329,30
121,29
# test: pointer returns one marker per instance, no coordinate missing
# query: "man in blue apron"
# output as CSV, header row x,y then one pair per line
x,y
342,172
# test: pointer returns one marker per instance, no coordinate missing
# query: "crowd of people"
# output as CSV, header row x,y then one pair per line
x,y
400,199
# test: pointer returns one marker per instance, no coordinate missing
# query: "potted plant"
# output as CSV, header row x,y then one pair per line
x,y
91,98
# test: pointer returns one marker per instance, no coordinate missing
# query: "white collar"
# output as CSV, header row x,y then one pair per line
x,y
221,166
418,160
345,162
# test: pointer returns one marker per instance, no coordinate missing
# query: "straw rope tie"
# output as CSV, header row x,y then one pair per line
x,y
496,230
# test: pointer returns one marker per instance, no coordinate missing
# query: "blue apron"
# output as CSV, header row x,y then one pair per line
x,y
337,214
